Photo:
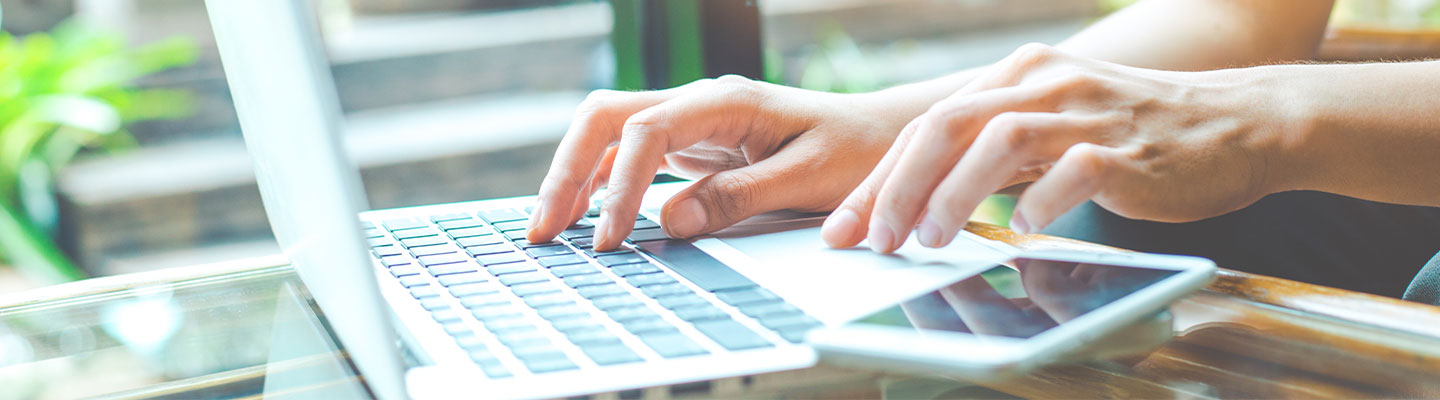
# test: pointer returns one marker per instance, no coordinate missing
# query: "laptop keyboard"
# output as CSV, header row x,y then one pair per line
x,y
508,302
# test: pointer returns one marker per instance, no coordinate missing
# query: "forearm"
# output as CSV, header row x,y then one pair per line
x,y
1170,34
1370,131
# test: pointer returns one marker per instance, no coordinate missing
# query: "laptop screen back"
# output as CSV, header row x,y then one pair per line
x,y
290,115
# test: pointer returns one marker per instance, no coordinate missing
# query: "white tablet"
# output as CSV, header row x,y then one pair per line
x,y
1036,309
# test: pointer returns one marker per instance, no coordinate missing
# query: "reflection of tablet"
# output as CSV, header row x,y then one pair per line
x,y
1011,318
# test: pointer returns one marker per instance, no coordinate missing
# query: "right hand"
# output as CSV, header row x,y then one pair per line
x,y
753,147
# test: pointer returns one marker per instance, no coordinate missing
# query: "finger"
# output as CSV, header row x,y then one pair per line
x,y
648,135
1079,175
1009,144
845,227
939,141
598,181
775,183
596,126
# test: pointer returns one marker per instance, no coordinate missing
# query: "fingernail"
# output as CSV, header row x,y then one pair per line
x,y
840,227
602,224
687,218
1018,223
881,236
929,232
536,214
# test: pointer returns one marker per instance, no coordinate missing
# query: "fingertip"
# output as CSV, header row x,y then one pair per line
x,y
882,237
842,229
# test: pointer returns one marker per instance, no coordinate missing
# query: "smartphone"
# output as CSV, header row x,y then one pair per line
x,y
1037,309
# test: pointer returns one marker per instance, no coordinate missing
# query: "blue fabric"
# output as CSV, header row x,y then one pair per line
x,y
1312,237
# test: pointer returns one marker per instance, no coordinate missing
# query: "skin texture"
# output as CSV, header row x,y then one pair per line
x,y
757,147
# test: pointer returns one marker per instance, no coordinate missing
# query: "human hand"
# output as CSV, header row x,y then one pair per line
x,y
1146,144
754,147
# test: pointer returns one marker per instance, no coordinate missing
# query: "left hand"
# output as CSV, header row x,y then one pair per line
x,y
1147,144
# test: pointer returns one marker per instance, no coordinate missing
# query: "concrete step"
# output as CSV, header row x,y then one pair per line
x,y
203,193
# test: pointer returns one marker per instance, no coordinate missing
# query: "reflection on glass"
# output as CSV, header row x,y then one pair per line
x,y
1020,302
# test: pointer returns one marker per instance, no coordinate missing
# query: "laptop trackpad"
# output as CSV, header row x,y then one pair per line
x,y
840,285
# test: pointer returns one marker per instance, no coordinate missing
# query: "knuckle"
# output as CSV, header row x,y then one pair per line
x,y
597,100
733,79
732,195
1014,134
639,125
1032,54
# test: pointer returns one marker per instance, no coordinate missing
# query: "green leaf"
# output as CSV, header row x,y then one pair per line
x,y
31,252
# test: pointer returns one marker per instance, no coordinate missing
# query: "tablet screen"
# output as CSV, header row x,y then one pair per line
x,y
1019,302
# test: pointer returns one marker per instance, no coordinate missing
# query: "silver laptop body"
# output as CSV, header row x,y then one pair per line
x,y
485,314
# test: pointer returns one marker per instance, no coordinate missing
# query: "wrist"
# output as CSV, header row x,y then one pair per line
x,y
1281,119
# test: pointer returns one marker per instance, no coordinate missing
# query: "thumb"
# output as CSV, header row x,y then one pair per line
x,y
724,198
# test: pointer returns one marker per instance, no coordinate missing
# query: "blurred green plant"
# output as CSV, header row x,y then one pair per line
x,y
61,93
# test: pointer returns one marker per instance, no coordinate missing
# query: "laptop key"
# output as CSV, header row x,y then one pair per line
x,y
405,270
424,292
524,341
648,325
449,217
440,259
512,225
373,233
502,258
645,224
541,366
367,225
680,301
501,215
672,345
592,292
447,269
488,249
612,260
562,311
516,235
469,232
758,310
386,250
508,325
377,242
458,329
492,367
433,250
434,304
669,289
471,241
630,313
511,268
551,299
613,302
731,334
642,235
413,281
649,279
572,233
471,289
597,336
496,312
422,241
542,251
459,223
788,322
610,354
523,277
414,233
484,300
583,242
704,312
572,325
532,289
576,281
461,279
592,212
555,261
634,269
794,335
446,315
595,253
402,223
391,261
695,265
566,271
747,296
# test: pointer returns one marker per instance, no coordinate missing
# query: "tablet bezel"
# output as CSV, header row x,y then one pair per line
x,y
900,348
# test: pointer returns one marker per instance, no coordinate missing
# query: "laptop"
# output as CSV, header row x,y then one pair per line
x,y
449,300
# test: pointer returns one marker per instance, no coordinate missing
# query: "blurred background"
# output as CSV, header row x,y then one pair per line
x,y
120,151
